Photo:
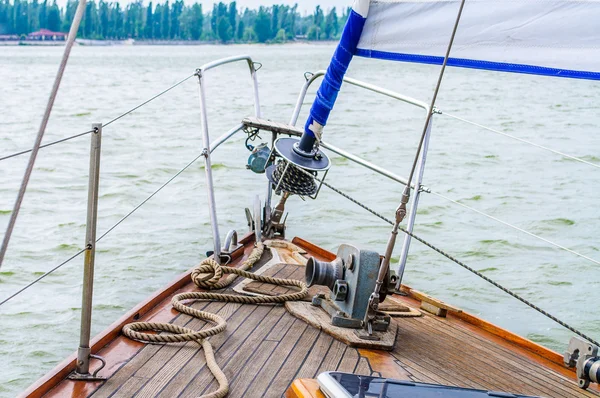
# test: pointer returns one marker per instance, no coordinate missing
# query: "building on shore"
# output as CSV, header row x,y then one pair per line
x,y
9,37
47,35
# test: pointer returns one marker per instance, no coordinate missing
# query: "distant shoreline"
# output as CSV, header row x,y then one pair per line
x,y
132,42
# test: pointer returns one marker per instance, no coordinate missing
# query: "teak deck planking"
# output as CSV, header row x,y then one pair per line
x,y
264,349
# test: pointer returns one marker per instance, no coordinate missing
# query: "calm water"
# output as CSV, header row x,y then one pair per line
x,y
541,192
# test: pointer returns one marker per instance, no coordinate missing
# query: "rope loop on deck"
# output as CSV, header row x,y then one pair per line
x,y
208,273
206,276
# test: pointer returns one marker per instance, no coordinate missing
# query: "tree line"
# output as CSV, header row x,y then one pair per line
x,y
173,21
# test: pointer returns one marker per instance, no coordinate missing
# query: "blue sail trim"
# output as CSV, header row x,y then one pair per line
x,y
330,86
477,64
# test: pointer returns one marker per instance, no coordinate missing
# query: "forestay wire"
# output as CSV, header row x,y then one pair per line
x,y
24,185
456,261
40,135
432,106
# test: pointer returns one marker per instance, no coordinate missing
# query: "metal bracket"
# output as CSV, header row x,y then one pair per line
x,y
341,319
274,226
585,358
231,243
249,219
87,376
257,217
230,246
338,317
366,334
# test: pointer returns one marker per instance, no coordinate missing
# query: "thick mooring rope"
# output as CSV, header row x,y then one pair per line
x,y
207,276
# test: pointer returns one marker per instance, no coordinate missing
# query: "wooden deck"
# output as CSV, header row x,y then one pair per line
x,y
264,349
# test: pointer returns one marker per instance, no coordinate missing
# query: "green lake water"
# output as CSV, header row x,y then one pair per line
x,y
546,194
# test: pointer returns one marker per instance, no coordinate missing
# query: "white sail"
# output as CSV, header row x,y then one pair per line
x,y
547,37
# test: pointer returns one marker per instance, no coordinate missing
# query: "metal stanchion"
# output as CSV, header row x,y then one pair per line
x,y
84,354
208,169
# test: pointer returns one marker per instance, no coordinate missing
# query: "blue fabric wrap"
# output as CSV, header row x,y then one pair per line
x,y
330,86
479,64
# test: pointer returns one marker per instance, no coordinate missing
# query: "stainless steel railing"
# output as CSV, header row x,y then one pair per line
x,y
84,353
200,72
417,187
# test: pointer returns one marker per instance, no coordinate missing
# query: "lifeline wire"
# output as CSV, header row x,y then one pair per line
x,y
104,234
517,138
515,227
104,125
40,278
149,100
38,140
455,260
46,145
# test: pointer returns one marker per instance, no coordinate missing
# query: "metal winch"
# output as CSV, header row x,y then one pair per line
x,y
585,357
293,166
351,277
293,174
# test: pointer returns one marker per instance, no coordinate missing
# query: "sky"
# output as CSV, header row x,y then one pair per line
x,y
304,6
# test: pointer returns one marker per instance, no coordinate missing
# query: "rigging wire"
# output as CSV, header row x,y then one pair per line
x,y
143,202
515,227
517,138
104,234
456,261
149,100
406,193
46,145
40,135
33,282
104,125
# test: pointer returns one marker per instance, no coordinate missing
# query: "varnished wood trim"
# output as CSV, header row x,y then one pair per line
x,y
385,364
542,351
431,300
311,247
522,342
62,370
304,388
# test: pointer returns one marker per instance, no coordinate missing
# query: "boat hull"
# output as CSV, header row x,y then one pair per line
x,y
265,349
